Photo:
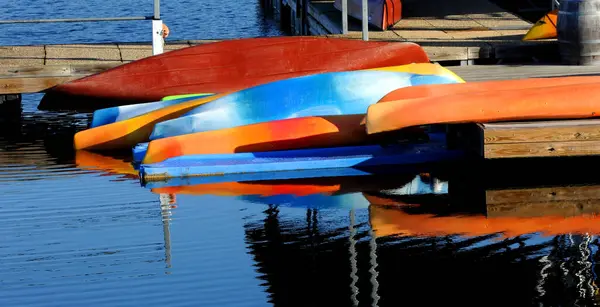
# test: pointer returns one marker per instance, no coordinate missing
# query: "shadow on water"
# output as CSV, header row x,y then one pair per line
x,y
35,145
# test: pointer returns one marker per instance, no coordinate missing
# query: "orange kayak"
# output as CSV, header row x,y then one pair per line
x,y
127,133
294,133
436,90
554,102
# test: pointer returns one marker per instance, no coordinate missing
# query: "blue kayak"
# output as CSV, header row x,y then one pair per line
x,y
337,93
357,160
115,114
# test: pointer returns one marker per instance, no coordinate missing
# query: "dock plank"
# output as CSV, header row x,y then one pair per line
x,y
542,131
541,149
31,85
558,138
508,72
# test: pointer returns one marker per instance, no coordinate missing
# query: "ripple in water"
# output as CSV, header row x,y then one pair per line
x,y
77,228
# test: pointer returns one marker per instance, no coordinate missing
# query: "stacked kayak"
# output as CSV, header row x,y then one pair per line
x,y
303,118
337,93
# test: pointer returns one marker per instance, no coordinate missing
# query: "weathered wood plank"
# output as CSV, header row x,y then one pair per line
x,y
511,72
54,70
541,149
31,85
542,131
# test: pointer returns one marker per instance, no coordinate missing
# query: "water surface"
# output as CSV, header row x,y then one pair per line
x,y
79,229
187,20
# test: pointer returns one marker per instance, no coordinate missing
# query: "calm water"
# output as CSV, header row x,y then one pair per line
x,y
77,229
187,20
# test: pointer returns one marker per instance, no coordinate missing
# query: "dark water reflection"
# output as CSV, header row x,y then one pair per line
x,y
77,228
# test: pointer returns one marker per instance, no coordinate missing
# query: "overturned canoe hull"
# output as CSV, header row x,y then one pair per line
x,y
553,102
382,13
337,93
228,66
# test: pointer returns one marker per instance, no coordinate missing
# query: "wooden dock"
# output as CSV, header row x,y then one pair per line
x,y
534,139
462,32
466,31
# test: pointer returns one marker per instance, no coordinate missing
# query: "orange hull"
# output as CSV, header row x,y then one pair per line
x,y
436,90
390,221
128,133
556,102
230,65
295,133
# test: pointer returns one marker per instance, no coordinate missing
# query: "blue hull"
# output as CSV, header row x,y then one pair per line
x,y
338,93
115,114
356,160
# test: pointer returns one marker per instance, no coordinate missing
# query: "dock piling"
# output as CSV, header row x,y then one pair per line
x,y
157,30
365,20
10,107
344,17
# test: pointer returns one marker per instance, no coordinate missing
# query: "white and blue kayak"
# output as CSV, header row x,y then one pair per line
x,y
337,93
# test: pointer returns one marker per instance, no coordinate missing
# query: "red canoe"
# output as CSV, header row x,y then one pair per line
x,y
227,66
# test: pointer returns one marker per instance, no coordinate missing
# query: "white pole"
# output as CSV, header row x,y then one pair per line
x,y
365,20
157,39
344,16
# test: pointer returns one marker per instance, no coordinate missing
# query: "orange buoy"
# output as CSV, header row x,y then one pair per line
x,y
165,31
